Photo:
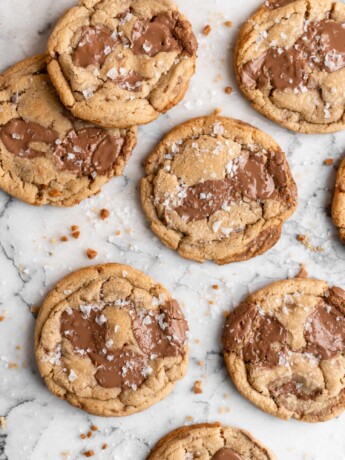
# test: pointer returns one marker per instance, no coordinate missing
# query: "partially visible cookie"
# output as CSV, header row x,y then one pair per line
x,y
284,348
218,189
290,63
121,63
209,441
111,341
46,155
338,208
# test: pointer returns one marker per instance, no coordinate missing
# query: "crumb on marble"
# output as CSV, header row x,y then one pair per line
x,y
118,233
2,318
2,422
206,30
35,309
91,253
76,234
228,90
189,418
104,446
104,214
303,272
89,453
94,428
12,365
200,363
228,23
329,161
215,286
304,239
64,238
197,388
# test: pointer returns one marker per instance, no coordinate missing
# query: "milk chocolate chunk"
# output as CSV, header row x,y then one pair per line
x,y
131,82
87,151
251,176
161,333
226,454
95,44
19,137
325,331
155,36
260,336
320,48
297,387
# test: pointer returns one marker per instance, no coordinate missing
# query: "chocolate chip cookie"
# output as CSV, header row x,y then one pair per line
x,y
338,208
111,341
218,189
120,63
290,63
210,442
47,156
284,348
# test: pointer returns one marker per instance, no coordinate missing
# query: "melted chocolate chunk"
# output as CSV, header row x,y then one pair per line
x,y
251,177
325,331
131,82
260,337
155,36
226,454
88,150
95,44
161,333
17,135
297,387
321,47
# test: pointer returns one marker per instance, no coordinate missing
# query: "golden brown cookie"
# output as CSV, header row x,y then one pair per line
x,y
209,441
284,348
338,208
121,63
110,340
218,189
290,63
46,155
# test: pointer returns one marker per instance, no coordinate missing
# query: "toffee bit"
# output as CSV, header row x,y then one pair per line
x,y
206,30
304,239
91,253
197,389
104,214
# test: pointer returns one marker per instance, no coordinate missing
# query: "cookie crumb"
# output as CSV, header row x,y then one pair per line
x,y
2,318
118,233
304,239
74,228
328,161
206,30
189,418
89,453
215,286
228,23
197,389
200,363
82,436
94,428
104,446
91,253
64,239
13,366
303,273
89,434
104,214
2,423
35,309
228,90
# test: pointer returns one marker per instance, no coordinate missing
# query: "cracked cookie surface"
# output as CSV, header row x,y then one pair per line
x,y
121,63
210,442
46,155
111,341
218,189
284,348
338,207
290,63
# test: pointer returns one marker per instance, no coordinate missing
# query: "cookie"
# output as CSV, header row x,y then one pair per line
x,y
338,208
218,189
111,341
46,155
290,63
284,348
120,63
210,441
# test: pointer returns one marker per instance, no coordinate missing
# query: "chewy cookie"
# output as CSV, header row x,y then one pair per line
x,y
46,155
121,63
284,348
218,189
290,63
209,442
111,341
338,208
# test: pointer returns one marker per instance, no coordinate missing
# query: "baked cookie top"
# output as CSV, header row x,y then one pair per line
x,y
46,155
120,63
209,442
284,348
290,63
110,340
338,208
218,189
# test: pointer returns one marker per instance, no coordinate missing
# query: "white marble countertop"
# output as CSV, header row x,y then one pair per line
x,y
38,425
